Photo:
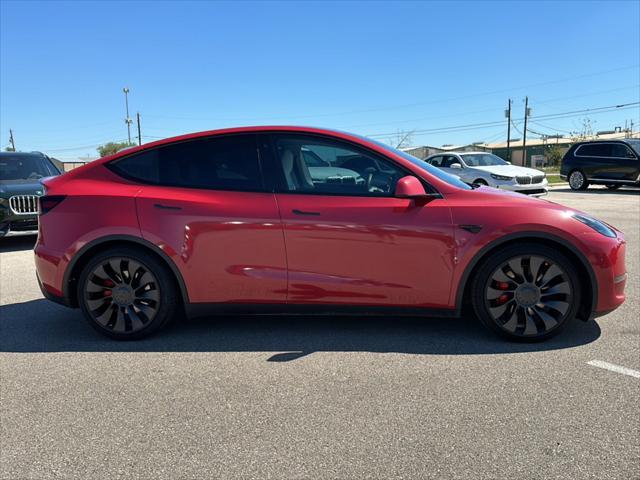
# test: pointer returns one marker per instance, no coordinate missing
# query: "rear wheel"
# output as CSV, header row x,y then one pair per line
x,y
578,180
526,292
126,293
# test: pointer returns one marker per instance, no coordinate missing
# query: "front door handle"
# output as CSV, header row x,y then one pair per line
x,y
300,212
166,207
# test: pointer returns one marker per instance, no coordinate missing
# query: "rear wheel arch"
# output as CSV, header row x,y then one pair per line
x,y
588,282
82,257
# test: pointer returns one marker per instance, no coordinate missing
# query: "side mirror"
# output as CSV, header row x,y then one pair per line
x,y
411,187
455,165
508,163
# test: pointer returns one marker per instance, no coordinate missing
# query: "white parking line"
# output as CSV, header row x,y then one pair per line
x,y
614,368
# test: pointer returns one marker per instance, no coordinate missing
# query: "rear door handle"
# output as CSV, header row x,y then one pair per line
x,y
300,212
166,207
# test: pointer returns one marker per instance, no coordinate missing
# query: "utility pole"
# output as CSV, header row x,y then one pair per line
x,y
508,115
127,120
524,133
13,145
139,134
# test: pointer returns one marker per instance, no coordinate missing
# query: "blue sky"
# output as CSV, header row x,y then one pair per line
x,y
372,68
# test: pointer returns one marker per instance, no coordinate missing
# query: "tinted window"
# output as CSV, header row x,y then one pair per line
x,y
622,151
223,163
594,150
342,169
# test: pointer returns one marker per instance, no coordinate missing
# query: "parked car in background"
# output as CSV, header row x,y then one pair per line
x,y
482,168
613,163
234,221
20,187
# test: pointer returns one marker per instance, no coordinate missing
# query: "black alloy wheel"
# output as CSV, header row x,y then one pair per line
x,y
526,292
126,293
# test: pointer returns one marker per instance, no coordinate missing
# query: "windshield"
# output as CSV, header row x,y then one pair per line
x,y
436,172
482,160
25,167
635,144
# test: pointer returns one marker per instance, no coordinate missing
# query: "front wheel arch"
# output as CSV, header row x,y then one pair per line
x,y
82,257
588,282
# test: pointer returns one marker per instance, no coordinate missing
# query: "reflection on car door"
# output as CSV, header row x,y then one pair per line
x,y
626,162
209,211
358,244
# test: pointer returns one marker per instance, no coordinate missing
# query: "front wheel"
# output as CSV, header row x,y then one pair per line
x,y
578,181
526,292
127,293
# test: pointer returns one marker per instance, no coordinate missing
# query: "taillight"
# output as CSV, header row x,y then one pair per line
x,y
49,202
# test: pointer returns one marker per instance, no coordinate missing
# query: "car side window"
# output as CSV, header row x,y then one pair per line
x,y
436,161
216,163
324,166
620,150
594,150
449,160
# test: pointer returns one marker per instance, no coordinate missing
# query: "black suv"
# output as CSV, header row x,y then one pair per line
x,y
20,187
604,162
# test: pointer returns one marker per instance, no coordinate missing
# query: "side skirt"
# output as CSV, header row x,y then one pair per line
x,y
194,310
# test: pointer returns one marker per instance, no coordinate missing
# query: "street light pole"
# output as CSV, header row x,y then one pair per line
x,y
127,120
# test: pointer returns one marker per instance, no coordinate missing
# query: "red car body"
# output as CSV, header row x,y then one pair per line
x,y
254,249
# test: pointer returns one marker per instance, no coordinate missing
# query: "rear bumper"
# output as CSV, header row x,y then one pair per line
x,y
49,295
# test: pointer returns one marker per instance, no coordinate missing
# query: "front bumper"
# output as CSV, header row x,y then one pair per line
x,y
533,189
608,261
19,225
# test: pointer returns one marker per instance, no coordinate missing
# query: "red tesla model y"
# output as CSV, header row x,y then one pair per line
x,y
303,220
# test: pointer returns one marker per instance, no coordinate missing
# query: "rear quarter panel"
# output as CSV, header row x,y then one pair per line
x,y
98,204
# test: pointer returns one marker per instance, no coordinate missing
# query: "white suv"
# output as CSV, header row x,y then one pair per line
x,y
482,168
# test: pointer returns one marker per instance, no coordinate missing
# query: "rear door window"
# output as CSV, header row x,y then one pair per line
x,y
216,163
594,150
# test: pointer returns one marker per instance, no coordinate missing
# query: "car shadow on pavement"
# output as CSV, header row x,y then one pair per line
x,y
40,326
17,244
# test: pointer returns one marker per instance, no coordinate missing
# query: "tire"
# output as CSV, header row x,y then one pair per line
x,y
480,182
613,186
536,303
578,180
126,293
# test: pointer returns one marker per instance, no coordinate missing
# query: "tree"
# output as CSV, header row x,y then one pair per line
x,y
586,132
113,147
554,154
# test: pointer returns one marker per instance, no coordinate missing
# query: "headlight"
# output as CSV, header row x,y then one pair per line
x,y
597,225
500,177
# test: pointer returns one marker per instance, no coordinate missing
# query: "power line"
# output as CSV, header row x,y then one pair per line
x,y
407,105
472,126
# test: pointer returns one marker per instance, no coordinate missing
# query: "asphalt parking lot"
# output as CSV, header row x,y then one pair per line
x,y
318,398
